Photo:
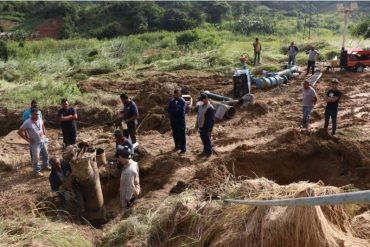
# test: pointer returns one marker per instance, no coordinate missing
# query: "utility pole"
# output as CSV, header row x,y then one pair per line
x,y
318,26
346,12
304,26
309,22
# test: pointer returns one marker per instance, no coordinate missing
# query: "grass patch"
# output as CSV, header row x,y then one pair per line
x,y
31,230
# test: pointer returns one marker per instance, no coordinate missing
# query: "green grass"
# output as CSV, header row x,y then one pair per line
x,y
49,69
30,230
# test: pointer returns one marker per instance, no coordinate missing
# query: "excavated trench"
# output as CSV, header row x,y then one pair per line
x,y
333,161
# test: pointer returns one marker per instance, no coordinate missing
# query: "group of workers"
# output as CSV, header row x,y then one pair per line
x,y
332,98
292,52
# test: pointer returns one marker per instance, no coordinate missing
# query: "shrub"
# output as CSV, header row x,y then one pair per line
x,y
187,37
254,24
3,51
109,31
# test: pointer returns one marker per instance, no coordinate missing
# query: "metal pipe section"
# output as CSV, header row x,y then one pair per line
x,y
217,96
223,110
274,79
341,198
86,170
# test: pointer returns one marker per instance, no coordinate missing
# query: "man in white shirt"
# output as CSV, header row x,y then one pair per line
x,y
312,54
33,131
130,183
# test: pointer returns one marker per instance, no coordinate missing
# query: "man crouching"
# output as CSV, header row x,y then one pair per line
x,y
129,184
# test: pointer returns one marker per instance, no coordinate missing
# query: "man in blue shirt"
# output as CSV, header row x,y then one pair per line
x,y
129,116
27,113
67,118
122,141
177,109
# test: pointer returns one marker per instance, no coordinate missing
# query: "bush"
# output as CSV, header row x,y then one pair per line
x,y
177,20
3,51
109,31
361,28
187,37
254,24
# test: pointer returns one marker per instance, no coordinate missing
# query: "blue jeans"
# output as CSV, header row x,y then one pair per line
x,y
306,115
207,142
331,113
37,150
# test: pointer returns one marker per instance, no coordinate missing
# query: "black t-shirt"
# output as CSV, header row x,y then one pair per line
x,y
67,125
333,93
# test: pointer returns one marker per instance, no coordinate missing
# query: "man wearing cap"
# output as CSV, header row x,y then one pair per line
x,y
129,115
205,122
331,110
129,183
33,131
121,140
177,110
67,117
27,113
309,100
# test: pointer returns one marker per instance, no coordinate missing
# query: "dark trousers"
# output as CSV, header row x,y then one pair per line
x,y
179,136
257,57
311,64
291,59
131,131
207,142
69,137
331,113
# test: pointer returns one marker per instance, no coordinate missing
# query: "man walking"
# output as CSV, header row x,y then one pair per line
x,y
27,113
308,102
257,47
129,183
33,131
312,54
205,122
67,118
292,53
177,109
331,110
129,115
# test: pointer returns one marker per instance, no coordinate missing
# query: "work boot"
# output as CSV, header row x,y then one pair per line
x,y
39,174
47,168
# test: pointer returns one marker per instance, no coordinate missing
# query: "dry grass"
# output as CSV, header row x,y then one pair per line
x,y
189,220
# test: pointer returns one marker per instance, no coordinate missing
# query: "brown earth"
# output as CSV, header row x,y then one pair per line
x,y
7,24
50,28
261,141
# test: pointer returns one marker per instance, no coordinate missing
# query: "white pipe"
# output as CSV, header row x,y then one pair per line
x,y
342,198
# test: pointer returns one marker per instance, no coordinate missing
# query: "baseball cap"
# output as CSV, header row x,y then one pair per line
x,y
203,96
334,80
124,152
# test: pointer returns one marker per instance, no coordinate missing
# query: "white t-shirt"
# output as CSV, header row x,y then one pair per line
x,y
34,130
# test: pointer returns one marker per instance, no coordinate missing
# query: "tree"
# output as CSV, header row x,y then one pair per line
x,y
216,11
176,20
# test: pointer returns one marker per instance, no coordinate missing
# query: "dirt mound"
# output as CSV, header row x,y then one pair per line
x,y
219,224
258,108
361,225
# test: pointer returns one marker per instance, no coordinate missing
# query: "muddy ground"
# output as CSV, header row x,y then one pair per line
x,y
264,140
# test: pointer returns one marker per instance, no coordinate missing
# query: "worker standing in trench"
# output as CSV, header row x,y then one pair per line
x,y
129,183
177,110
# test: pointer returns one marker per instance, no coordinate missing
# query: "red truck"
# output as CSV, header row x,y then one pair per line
x,y
358,59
